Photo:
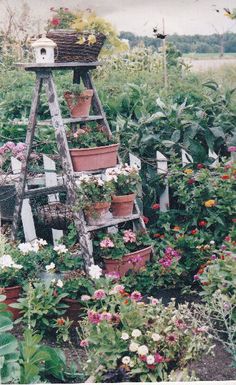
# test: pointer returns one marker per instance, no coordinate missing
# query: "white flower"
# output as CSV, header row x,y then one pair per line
x,y
100,182
136,333
41,242
131,364
85,297
125,360
150,359
53,280
7,261
60,249
50,267
59,283
25,248
95,271
133,347
143,350
35,246
124,336
155,337
212,242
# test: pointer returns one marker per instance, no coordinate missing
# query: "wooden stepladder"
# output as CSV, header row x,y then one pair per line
x,y
44,77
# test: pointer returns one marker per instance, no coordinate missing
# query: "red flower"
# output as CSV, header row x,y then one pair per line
x,y
55,21
234,220
143,358
225,177
193,232
199,166
155,206
202,223
227,239
145,219
157,235
191,181
152,367
222,257
60,321
159,358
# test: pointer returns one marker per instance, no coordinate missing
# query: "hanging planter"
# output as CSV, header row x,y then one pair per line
x,y
122,205
132,261
12,294
79,103
88,159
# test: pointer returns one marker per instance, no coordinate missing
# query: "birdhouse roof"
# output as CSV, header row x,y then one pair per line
x,y
43,42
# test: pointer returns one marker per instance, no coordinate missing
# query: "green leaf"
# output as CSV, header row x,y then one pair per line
x,y
8,344
5,324
176,136
218,132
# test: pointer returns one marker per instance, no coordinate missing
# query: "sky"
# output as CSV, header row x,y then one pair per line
x,y
139,16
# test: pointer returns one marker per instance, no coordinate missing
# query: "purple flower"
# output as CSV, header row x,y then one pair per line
x,y
94,317
213,256
232,148
196,277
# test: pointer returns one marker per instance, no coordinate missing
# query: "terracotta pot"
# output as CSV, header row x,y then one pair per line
x,y
12,294
98,213
132,261
79,104
74,310
87,159
122,205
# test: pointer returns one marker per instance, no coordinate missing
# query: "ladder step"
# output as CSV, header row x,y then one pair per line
x,y
48,122
113,222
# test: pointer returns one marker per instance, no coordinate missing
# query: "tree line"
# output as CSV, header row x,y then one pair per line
x,y
215,43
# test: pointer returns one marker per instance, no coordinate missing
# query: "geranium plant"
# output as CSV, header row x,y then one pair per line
x,y
115,246
125,179
86,137
76,284
93,189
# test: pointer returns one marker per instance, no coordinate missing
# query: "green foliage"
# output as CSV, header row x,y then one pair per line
x,y
9,366
76,284
125,179
40,305
89,138
92,189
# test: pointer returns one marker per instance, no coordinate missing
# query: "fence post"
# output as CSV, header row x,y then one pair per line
x,y
213,155
186,158
162,168
51,180
135,161
26,212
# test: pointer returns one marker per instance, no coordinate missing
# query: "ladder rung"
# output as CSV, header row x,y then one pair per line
x,y
48,122
113,222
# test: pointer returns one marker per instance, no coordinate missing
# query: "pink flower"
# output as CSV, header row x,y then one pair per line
x,y
154,301
172,338
117,289
106,243
99,294
180,324
115,318
136,296
94,317
106,316
232,148
83,343
196,277
55,21
159,358
85,297
113,274
129,236
9,146
135,259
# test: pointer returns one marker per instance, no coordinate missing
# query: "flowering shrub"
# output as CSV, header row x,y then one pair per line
x,y
125,179
62,18
116,245
146,340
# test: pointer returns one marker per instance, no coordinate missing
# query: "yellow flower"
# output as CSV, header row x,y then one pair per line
x,y
92,39
81,40
188,171
176,228
210,203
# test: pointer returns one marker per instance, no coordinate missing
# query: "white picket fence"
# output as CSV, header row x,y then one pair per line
x,y
50,179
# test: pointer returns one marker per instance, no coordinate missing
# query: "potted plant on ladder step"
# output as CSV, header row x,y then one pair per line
x,y
126,180
79,101
94,197
92,148
124,251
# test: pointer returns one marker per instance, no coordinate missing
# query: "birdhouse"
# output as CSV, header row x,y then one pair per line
x,y
44,50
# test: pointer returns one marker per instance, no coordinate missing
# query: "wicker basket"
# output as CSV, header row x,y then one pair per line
x,y
57,215
68,49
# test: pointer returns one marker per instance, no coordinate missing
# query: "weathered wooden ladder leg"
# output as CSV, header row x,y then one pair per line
x,y
57,122
20,189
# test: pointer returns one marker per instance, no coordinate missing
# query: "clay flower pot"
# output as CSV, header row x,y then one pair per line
x,y
122,205
98,213
73,312
12,294
87,159
79,104
132,261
